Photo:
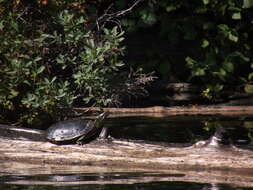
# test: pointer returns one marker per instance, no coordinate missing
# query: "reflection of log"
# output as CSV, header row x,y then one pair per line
x,y
28,150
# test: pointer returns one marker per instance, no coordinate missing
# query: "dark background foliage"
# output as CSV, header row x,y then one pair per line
x,y
205,42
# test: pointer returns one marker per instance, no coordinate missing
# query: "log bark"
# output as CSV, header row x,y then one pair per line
x,y
162,111
27,148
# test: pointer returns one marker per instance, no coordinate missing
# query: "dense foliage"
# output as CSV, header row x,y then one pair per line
x,y
207,42
53,58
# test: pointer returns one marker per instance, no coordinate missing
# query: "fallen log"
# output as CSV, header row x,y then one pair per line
x,y
175,110
27,148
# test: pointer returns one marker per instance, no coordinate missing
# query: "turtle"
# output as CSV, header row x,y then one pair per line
x,y
77,131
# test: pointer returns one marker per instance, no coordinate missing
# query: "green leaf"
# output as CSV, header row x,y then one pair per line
x,y
40,69
1,25
217,87
87,99
248,124
221,73
235,9
14,25
236,16
119,64
248,88
53,79
190,61
205,43
201,10
250,76
206,1
27,82
37,59
199,72
247,4
223,27
171,8
14,93
232,37
228,66
239,54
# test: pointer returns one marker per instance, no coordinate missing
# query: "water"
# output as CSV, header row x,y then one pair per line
x,y
181,129
172,130
109,181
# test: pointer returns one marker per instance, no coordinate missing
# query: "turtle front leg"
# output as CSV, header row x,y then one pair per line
x,y
80,141
104,133
104,136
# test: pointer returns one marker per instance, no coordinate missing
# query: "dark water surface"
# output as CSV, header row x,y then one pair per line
x,y
126,181
106,181
176,129
181,129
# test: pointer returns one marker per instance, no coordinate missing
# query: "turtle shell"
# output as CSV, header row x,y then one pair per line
x,y
70,130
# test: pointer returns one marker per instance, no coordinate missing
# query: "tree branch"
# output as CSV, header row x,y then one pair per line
x,y
106,17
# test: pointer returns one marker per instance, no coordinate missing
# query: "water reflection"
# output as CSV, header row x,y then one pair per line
x,y
122,181
90,178
150,186
182,129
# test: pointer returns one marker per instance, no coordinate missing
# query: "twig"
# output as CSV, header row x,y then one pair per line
x,y
106,17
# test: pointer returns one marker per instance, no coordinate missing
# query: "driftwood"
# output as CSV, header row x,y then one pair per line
x,y
26,151
161,111
176,110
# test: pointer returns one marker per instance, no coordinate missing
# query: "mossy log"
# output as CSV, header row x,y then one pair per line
x,y
27,151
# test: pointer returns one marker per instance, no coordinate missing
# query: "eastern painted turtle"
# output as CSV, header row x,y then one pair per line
x,y
77,131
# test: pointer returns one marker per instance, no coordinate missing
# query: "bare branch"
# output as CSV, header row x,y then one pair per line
x,y
106,17
123,12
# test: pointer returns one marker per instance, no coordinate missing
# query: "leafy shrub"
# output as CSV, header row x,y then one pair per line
x,y
51,64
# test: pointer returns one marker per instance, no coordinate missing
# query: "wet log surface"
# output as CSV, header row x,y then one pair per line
x,y
27,151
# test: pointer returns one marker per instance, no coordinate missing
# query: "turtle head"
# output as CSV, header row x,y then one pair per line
x,y
100,118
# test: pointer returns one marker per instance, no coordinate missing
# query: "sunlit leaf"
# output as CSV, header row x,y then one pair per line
x,y
205,43
199,72
37,59
236,16
190,61
250,76
248,88
206,1
247,4
14,93
40,69
248,124
222,72
232,37
171,8
223,27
